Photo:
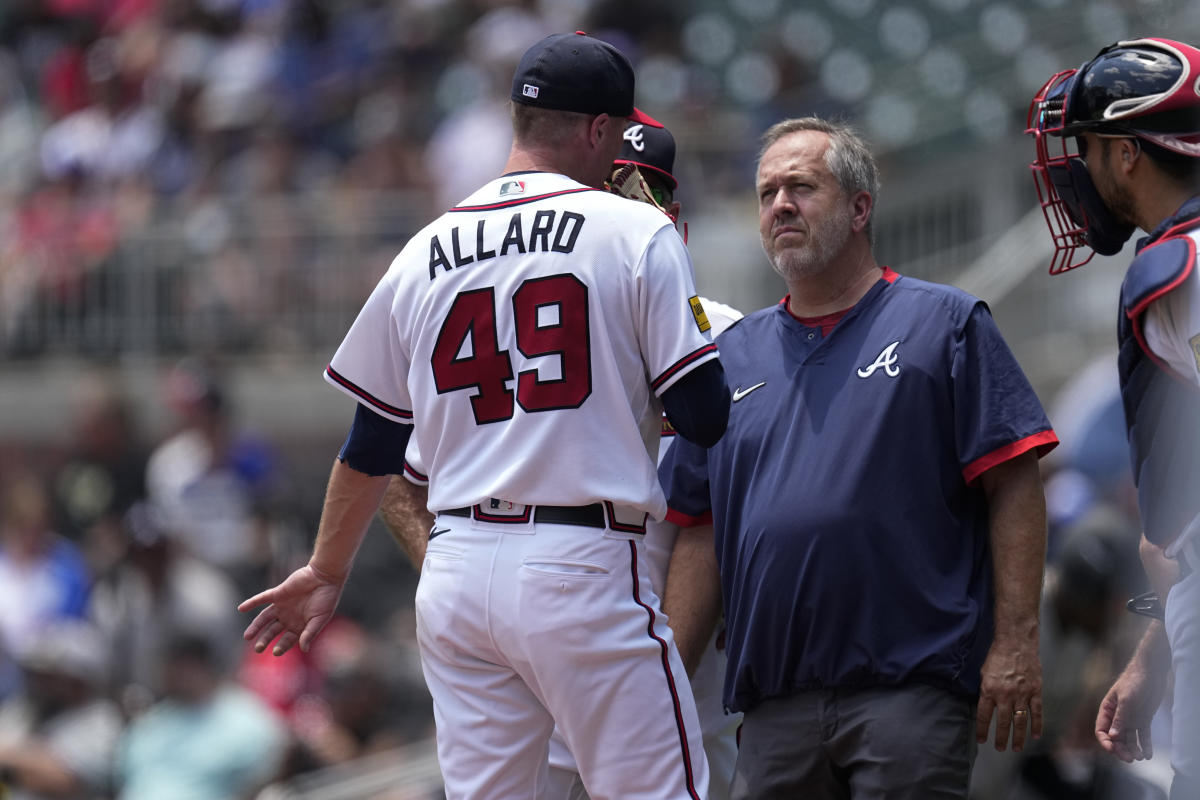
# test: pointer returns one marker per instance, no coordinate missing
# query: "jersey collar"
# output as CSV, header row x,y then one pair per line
x,y
887,278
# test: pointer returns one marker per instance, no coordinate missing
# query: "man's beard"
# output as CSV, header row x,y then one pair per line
x,y
1117,199
822,242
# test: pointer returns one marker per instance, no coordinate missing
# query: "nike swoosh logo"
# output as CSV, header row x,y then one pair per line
x,y
739,392
438,532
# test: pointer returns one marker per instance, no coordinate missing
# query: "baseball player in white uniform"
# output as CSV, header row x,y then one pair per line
x,y
652,151
533,336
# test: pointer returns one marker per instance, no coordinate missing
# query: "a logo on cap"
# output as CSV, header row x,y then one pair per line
x,y
529,91
633,135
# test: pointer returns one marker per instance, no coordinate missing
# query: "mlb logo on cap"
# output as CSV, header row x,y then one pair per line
x,y
530,91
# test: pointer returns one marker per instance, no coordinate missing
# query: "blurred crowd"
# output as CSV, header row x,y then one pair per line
x,y
203,117
116,116
123,673
218,147
122,670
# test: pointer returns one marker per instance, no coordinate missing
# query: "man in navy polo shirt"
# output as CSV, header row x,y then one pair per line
x,y
877,513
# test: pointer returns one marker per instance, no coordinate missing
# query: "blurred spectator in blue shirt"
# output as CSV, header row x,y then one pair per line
x,y
207,739
43,577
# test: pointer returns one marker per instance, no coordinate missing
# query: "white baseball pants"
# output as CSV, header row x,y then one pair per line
x,y
522,625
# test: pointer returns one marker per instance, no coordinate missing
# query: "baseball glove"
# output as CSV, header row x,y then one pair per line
x,y
628,181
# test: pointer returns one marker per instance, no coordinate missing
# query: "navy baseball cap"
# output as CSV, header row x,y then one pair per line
x,y
575,72
650,150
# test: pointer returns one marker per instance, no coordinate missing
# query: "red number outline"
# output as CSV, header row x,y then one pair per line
x,y
489,369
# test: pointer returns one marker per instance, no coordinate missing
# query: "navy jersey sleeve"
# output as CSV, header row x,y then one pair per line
x,y
997,415
698,405
683,473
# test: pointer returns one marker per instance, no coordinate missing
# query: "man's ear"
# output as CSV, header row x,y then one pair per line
x,y
1130,150
860,208
600,128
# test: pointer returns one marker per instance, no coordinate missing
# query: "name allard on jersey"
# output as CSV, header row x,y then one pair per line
x,y
547,231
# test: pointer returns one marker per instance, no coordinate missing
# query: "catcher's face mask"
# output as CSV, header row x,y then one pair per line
x,y
1080,224
1145,89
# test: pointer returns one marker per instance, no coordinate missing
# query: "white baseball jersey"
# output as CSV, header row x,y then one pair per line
x,y
1172,330
719,729
529,333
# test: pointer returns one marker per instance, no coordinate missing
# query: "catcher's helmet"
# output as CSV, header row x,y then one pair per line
x,y
1146,88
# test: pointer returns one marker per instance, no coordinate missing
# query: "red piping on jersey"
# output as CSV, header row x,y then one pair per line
x,y
1135,314
688,521
1044,442
681,363
666,663
411,471
365,395
522,200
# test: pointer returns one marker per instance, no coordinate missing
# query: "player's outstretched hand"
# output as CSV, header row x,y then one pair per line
x,y
1123,722
1011,689
297,610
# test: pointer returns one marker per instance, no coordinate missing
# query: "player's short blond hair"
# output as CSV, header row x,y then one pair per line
x,y
848,156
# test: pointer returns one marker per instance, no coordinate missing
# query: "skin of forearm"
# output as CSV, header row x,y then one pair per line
x,y
1017,506
692,595
405,514
1153,654
351,500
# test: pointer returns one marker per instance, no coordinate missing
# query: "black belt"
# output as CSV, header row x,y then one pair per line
x,y
587,516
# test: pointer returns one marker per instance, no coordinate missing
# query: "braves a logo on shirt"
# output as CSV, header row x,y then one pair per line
x,y
886,360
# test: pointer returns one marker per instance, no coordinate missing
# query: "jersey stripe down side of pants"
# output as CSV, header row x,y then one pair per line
x,y
521,625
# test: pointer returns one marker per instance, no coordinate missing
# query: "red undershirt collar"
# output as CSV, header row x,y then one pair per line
x,y
827,322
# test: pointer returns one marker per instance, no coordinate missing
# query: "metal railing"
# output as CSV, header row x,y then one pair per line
x,y
278,275
288,275
406,773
